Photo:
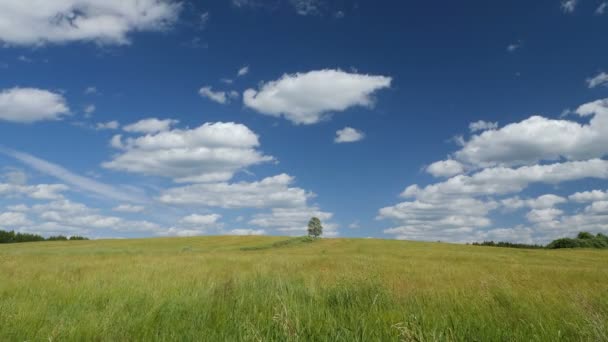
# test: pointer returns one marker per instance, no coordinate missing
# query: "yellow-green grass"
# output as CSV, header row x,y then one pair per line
x,y
221,289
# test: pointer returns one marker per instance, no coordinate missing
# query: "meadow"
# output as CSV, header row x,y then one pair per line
x,y
263,289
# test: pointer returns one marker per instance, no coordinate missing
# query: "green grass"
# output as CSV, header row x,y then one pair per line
x,y
210,289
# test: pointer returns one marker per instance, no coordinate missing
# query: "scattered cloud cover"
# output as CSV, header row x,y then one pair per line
x,y
348,135
301,98
27,105
100,21
507,161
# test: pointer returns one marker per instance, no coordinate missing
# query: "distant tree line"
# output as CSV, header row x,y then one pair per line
x,y
12,237
507,245
582,240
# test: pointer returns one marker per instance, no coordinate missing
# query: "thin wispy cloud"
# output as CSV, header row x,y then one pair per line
x,y
80,182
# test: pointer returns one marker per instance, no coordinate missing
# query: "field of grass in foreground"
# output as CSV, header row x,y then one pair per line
x,y
253,289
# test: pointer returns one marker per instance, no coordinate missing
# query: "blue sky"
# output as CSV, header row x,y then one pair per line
x,y
451,121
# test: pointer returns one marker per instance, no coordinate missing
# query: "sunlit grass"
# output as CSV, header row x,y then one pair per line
x,y
253,289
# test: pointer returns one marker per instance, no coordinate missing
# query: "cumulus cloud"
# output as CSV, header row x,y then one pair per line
x,y
100,21
201,220
222,97
509,160
307,98
600,79
269,192
541,139
27,105
601,9
150,125
541,202
38,191
67,217
212,152
445,168
502,180
589,196
294,221
12,219
348,135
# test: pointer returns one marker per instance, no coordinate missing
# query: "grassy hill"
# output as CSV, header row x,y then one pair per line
x,y
260,289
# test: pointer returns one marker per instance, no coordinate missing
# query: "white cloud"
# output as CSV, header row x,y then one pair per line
x,y
541,202
67,217
544,215
211,152
38,191
9,220
599,207
601,9
68,177
502,180
27,105
101,21
218,96
129,208
482,126
445,168
173,231
294,221
15,177
509,160
247,232
589,196
600,79
437,219
243,71
201,220
267,193
568,6
150,125
303,97
107,125
348,135
540,139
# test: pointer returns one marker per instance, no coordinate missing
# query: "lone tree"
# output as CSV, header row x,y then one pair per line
x,y
315,229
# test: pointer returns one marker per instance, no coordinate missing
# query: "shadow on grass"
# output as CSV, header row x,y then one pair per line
x,y
280,244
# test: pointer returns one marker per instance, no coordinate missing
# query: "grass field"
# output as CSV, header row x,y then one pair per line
x,y
254,289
